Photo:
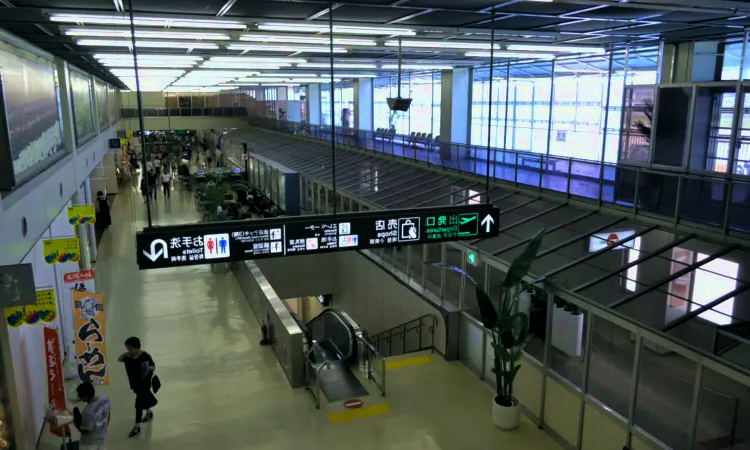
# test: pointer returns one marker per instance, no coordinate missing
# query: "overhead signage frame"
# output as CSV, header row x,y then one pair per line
x,y
186,245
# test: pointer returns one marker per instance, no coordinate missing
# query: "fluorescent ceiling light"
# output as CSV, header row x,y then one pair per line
x,y
286,49
287,74
142,64
416,67
314,80
305,39
447,44
147,72
503,54
337,66
148,44
222,73
146,34
262,79
198,89
243,66
144,56
312,28
257,59
557,48
354,75
147,21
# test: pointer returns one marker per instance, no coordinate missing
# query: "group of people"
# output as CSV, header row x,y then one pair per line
x,y
158,170
93,420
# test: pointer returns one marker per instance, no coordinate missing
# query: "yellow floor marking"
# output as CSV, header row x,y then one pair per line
x,y
407,362
361,413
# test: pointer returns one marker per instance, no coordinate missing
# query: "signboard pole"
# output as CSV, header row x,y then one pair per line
x,y
333,108
247,169
489,111
140,112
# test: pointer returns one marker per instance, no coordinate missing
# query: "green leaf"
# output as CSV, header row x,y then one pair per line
x,y
520,266
512,375
486,309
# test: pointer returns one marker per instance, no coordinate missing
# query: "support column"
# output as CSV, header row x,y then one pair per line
x,y
313,104
281,107
455,105
363,104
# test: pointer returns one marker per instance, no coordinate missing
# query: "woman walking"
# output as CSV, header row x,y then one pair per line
x,y
140,369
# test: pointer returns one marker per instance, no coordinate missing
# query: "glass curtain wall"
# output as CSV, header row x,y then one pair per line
x,y
424,113
344,104
578,100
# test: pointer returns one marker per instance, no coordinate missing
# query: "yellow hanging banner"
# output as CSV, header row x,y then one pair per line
x,y
91,347
128,134
60,251
81,214
43,310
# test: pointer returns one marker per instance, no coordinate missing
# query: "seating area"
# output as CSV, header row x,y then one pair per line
x,y
414,140
221,196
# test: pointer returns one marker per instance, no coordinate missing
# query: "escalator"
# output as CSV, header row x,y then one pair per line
x,y
332,346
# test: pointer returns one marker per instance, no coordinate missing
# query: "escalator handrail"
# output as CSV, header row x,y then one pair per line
x,y
335,313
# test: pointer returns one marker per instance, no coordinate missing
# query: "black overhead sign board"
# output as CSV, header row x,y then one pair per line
x,y
186,245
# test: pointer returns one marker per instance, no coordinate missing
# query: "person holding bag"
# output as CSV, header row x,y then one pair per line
x,y
140,369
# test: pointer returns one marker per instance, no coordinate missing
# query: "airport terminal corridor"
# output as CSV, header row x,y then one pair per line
x,y
221,389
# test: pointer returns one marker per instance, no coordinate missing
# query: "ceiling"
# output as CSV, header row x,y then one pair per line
x,y
439,33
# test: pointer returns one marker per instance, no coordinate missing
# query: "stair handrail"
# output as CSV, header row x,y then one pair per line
x,y
389,332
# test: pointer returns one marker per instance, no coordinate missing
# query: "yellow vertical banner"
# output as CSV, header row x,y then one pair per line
x,y
60,251
81,214
88,325
43,310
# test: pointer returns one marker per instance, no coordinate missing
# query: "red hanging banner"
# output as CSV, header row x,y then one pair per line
x,y
55,387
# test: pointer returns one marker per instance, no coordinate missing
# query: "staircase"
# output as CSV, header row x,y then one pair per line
x,y
412,336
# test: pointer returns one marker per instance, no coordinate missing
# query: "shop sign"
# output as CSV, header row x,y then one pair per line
x,y
43,310
81,275
187,245
55,387
81,214
90,343
17,285
61,251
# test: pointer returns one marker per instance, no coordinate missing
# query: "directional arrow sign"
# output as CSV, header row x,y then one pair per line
x,y
487,222
154,254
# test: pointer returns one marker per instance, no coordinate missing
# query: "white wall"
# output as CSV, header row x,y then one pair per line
x,y
184,123
41,199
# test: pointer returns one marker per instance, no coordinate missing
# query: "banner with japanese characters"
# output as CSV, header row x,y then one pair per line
x,y
55,387
59,251
88,326
81,214
43,310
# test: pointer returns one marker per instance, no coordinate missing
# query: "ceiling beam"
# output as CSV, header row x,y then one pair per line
x,y
323,12
410,16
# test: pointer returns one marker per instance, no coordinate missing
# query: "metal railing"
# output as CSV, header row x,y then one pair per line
x,y
371,363
708,201
413,336
222,111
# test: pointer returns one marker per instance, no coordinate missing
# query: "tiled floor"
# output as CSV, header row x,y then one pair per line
x,y
223,391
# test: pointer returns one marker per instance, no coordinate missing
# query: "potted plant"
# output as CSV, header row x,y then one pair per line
x,y
509,330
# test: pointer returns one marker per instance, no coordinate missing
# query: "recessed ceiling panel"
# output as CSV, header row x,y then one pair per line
x,y
275,10
585,27
687,16
364,14
651,29
72,4
444,19
208,7
622,13
541,8
523,23
696,32
466,5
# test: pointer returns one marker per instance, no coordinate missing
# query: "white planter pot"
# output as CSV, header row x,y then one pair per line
x,y
505,417
567,331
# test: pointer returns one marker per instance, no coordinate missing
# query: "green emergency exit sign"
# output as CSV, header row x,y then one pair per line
x,y
472,258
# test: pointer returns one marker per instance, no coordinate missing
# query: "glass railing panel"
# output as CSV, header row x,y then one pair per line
x,y
611,347
739,207
664,399
619,185
657,193
703,200
567,343
529,166
555,174
722,409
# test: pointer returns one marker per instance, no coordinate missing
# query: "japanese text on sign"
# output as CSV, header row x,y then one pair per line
x,y
60,251
90,342
43,310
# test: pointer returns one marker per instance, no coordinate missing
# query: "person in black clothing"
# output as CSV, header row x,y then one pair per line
x,y
140,369
152,183
105,219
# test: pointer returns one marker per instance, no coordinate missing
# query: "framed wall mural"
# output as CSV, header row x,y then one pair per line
x,y
83,113
102,104
31,137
